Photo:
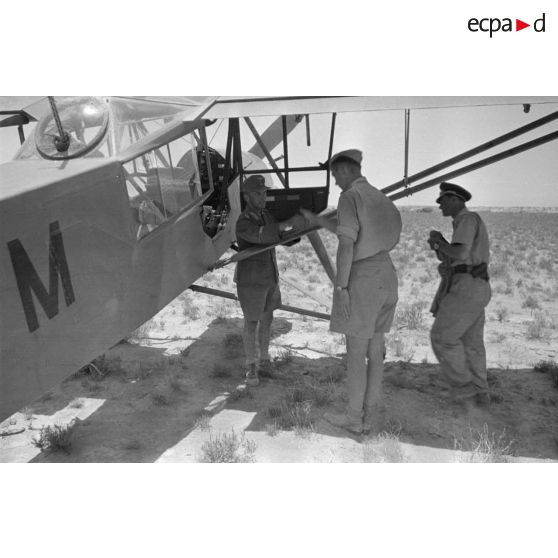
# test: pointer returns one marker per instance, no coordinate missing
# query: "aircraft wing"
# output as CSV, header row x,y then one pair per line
x,y
241,107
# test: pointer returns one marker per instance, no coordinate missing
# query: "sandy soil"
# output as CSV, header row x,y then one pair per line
x,y
173,387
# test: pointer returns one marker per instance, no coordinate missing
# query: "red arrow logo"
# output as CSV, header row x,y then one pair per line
x,y
519,25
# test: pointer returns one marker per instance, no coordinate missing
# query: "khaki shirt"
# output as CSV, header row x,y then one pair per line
x,y
257,229
369,218
470,230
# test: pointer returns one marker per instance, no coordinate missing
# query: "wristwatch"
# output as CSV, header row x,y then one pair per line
x,y
340,288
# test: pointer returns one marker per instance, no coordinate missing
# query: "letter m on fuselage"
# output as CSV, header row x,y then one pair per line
x,y
28,279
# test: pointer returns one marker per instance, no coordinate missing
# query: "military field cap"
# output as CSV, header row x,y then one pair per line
x,y
254,183
352,154
449,189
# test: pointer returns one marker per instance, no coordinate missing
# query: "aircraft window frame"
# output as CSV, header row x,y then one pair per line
x,y
159,190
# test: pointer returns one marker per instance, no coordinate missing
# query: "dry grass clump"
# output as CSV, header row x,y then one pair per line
x,y
485,446
531,302
319,393
101,367
228,448
536,329
501,313
384,448
292,413
284,358
203,422
56,437
410,315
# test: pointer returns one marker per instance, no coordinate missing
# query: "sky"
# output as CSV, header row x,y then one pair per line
x,y
528,179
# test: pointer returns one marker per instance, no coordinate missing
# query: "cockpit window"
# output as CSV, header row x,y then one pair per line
x,y
166,182
97,126
74,127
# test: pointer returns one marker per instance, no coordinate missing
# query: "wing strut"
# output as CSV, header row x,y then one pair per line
x,y
407,126
478,165
231,296
471,152
265,151
316,241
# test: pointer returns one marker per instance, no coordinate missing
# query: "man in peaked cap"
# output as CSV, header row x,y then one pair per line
x,y
257,277
458,329
368,227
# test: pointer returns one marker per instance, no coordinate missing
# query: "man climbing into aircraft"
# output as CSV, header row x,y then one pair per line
x,y
368,227
458,329
257,277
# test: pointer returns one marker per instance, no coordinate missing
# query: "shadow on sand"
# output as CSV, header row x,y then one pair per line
x,y
153,400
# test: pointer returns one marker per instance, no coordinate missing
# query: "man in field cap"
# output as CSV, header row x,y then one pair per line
x,y
368,227
257,277
458,329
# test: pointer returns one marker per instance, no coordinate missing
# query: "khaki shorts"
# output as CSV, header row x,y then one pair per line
x,y
373,296
256,300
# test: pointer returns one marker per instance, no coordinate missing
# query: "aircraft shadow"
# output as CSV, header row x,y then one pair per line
x,y
154,400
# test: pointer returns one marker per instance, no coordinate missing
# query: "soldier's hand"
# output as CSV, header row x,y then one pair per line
x,y
297,222
344,303
435,237
292,224
310,218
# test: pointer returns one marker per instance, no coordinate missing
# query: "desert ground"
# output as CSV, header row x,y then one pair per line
x,y
173,391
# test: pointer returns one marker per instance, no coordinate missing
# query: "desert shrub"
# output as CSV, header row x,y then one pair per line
x,y
228,448
497,269
191,311
77,403
425,278
546,263
485,446
410,316
203,422
271,429
56,437
536,327
319,394
498,337
274,411
284,357
501,313
385,448
531,302
297,416
100,367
